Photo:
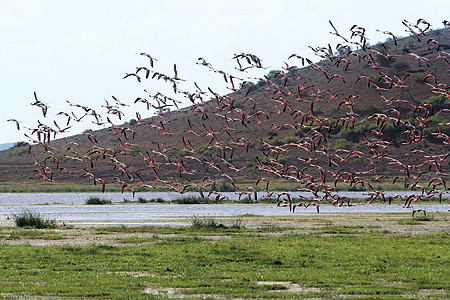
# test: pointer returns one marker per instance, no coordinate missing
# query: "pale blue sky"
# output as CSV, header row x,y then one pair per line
x,y
80,50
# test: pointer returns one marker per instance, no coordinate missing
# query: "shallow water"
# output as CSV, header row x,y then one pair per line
x,y
80,198
70,207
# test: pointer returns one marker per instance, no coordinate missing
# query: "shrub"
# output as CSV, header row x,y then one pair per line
x,y
205,222
237,224
283,159
142,200
19,151
399,66
211,223
276,142
353,134
434,124
97,201
368,109
424,218
224,186
271,133
375,77
272,75
34,220
341,144
205,150
290,139
437,101
158,200
250,166
193,200
384,62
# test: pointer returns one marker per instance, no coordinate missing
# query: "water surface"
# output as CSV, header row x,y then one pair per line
x,y
80,198
70,207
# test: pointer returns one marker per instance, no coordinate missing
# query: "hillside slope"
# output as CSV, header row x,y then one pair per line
x,y
362,119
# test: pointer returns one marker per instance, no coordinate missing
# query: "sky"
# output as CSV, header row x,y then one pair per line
x,y
79,51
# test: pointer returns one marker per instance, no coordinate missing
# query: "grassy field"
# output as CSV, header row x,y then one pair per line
x,y
316,257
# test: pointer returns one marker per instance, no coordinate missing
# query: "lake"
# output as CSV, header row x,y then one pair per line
x,y
80,198
70,207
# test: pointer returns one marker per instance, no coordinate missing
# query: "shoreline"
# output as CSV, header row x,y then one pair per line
x,y
395,223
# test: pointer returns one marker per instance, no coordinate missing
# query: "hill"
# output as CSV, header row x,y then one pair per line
x,y
358,119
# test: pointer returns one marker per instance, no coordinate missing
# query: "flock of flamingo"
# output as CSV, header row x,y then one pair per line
x,y
288,105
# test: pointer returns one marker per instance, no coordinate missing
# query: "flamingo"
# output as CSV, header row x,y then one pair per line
x,y
149,57
132,75
16,121
419,210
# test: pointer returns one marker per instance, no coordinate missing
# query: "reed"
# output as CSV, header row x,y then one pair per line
x,y
97,201
193,200
210,223
29,219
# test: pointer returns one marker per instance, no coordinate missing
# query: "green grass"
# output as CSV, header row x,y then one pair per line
x,y
154,200
193,200
30,219
159,261
210,223
34,234
425,218
421,220
410,221
341,229
97,201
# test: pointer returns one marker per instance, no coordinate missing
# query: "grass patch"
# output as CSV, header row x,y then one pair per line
x,y
143,200
270,226
193,200
153,200
267,200
417,220
33,235
97,201
251,215
138,240
425,218
241,266
210,223
342,229
410,221
29,219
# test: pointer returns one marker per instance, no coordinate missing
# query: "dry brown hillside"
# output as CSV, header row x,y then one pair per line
x,y
361,119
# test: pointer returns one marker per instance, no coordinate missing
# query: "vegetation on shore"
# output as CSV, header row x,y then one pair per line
x,y
30,219
97,201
